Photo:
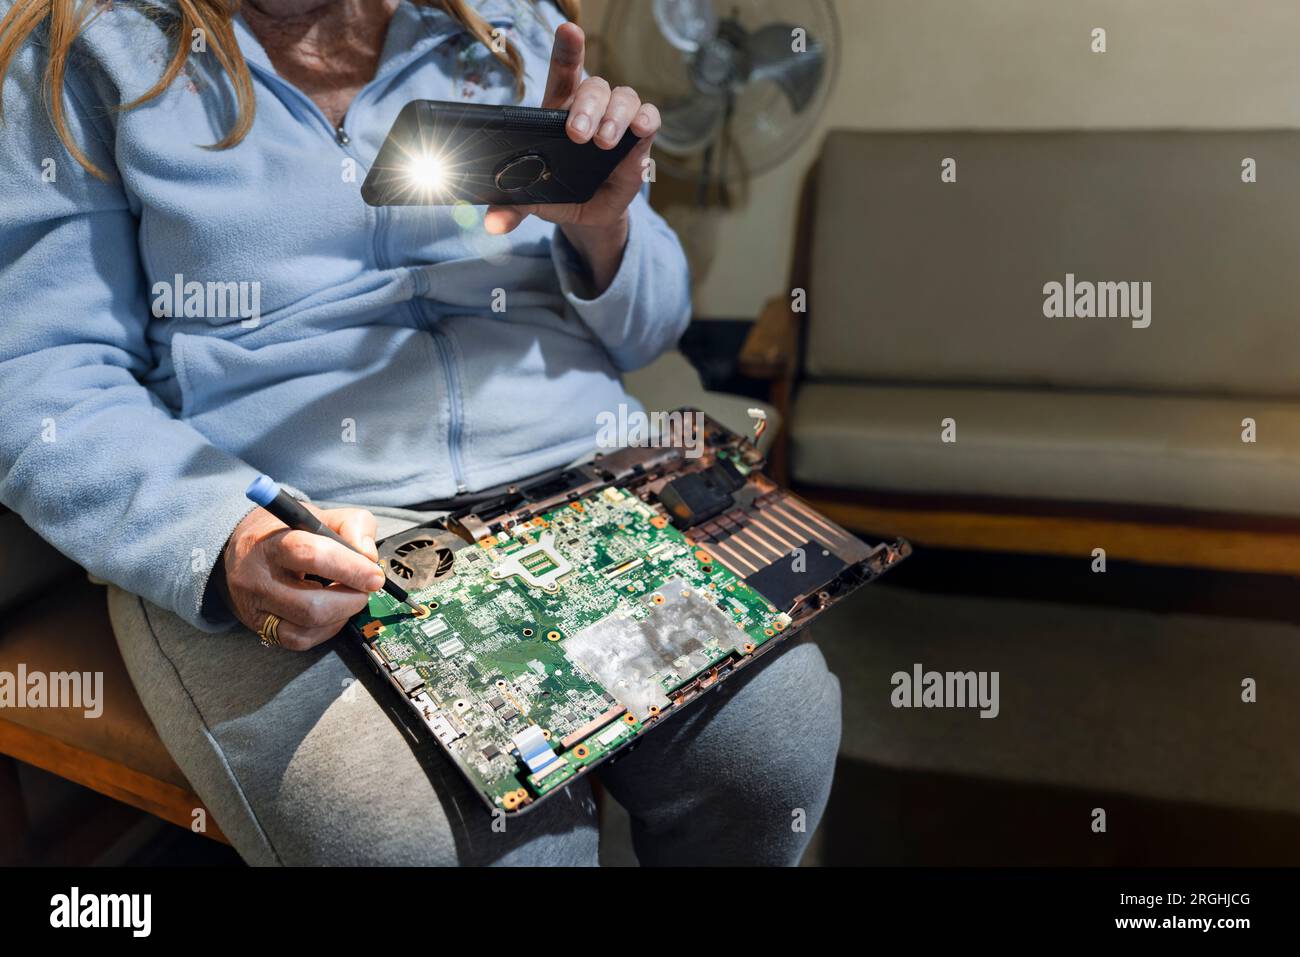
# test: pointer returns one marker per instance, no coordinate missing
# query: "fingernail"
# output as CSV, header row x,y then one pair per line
x,y
608,130
368,545
376,583
582,122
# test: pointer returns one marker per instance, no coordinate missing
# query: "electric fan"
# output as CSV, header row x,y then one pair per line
x,y
739,84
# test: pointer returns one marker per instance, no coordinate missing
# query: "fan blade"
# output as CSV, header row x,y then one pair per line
x,y
686,24
690,125
797,74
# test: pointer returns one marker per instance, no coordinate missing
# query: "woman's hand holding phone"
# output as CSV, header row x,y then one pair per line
x,y
597,228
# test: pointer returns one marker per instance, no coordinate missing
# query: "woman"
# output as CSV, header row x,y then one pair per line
x,y
191,159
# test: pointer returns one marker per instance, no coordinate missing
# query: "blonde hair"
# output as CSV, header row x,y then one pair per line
x,y
67,18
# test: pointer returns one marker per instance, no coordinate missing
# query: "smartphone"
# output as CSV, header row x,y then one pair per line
x,y
440,154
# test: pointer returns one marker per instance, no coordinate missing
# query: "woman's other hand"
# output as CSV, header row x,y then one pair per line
x,y
599,114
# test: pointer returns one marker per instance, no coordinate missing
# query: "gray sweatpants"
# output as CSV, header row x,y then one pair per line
x,y
306,758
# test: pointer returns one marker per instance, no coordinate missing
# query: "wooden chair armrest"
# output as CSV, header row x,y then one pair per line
x,y
771,350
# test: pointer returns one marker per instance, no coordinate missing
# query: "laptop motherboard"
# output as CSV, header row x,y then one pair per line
x,y
566,618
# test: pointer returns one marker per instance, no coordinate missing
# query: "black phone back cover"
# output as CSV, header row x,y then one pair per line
x,y
441,153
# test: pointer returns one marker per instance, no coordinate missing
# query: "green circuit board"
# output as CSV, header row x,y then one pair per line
x,y
545,648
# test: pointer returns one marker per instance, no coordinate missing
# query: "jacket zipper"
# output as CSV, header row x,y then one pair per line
x,y
337,133
457,416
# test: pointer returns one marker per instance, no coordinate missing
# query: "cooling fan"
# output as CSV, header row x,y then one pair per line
x,y
417,558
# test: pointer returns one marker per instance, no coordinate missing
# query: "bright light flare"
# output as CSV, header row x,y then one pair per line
x,y
427,173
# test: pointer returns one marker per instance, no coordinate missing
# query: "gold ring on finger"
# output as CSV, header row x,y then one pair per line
x,y
270,631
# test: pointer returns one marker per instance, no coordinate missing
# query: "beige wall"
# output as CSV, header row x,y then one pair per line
x,y
1018,63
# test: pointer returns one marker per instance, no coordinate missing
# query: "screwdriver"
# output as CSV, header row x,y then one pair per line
x,y
267,493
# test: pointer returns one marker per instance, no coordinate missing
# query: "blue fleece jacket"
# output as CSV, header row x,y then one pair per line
x,y
210,314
